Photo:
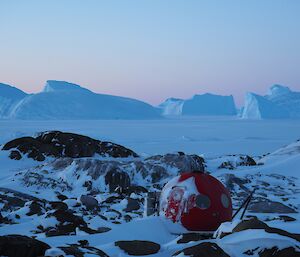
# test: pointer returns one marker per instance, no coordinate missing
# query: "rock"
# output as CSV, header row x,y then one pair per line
x,y
115,179
103,229
235,161
275,252
127,218
247,161
206,249
132,205
4,220
181,161
60,144
112,199
158,173
21,246
138,248
89,202
231,180
82,249
68,222
135,189
257,224
250,224
61,197
15,155
264,205
13,200
35,208
59,205
192,237
286,218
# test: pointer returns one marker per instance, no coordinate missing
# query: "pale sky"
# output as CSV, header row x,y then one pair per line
x,y
151,49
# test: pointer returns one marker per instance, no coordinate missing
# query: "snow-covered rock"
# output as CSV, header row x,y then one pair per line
x,y
280,102
206,104
63,100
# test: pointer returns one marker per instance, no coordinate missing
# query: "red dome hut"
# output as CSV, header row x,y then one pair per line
x,y
197,201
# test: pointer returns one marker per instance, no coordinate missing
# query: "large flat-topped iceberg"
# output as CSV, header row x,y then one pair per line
x,y
206,104
280,102
63,100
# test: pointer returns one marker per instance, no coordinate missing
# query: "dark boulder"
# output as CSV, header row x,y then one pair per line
x,y
132,205
205,249
117,179
257,224
57,205
89,202
60,144
35,208
82,249
15,155
21,246
68,222
138,248
247,161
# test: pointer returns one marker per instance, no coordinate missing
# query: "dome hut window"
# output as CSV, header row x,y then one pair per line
x,y
225,201
202,202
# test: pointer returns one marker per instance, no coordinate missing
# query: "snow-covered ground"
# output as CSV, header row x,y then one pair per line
x,y
277,179
211,136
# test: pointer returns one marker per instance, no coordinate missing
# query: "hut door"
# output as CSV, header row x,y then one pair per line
x,y
176,204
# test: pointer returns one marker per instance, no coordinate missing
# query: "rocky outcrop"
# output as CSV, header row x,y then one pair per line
x,y
21,246
138,248
257,224
235,161
60,144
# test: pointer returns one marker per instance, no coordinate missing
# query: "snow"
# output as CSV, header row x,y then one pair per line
x,y
214,137
206,104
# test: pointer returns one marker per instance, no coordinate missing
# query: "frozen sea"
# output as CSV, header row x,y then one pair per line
x,y
210,136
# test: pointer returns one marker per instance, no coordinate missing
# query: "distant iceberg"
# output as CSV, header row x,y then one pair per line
x,y
9,99
200,105
279,103
68,101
